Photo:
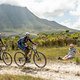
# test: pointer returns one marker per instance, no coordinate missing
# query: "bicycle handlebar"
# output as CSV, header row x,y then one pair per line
x,y
32,47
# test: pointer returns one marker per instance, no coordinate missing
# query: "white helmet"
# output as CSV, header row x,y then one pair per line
x,y
71,45
27,33
0,33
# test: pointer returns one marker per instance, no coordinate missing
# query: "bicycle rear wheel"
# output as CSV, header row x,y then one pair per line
x,y
7,58
39,59
19,59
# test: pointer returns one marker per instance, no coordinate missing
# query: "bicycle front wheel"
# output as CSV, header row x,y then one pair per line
x,y
19,59
39,59
7,58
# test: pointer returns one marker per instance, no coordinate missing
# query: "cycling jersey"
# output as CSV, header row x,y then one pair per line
x,y
22,41
1,41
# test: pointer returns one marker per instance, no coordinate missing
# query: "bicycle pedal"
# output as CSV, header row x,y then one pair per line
x,y
1,59
28,61
6,58
39,59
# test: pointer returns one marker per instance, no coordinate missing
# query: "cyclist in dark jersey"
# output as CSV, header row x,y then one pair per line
x,y
1,40
1,44
22,43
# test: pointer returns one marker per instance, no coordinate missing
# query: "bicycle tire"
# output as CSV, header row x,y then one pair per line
x,y
6,54
34,59
15,59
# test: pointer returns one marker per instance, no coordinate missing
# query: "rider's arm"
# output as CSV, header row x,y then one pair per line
x,y
32,41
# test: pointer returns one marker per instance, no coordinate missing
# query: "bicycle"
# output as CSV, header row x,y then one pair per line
x,y
39,58
5,56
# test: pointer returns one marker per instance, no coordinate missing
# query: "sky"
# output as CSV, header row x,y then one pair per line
x,y
65,12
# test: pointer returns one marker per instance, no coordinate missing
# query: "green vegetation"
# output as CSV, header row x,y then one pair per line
x,y
52,45
53,53
15,77
77,59
58,39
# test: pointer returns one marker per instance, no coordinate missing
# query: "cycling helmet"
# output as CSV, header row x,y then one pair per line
x,y
27,33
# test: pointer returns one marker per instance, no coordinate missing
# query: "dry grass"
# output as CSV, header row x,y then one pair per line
x,y
15,77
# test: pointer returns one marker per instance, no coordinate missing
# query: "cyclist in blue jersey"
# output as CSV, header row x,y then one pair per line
x,y
1,39
22,44
1,44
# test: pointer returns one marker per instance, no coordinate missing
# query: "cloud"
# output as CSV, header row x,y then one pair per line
x,y
66,23
38,1
14,2
50,8
76,11
72,22
55,13
77,24
2,1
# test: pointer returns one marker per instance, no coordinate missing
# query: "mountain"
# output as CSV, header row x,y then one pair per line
x,y
20,19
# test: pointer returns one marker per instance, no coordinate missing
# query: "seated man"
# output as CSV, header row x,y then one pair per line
x,y
71,53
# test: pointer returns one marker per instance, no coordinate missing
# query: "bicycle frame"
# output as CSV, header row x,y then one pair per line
x,y
3,49
33,50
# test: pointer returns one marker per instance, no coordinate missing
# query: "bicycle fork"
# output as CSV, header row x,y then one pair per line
x,y
37,56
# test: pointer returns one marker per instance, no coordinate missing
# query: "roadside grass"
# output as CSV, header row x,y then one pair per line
x,y
53,53
16,77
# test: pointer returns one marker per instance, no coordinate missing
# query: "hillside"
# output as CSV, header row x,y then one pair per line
x,y
19,19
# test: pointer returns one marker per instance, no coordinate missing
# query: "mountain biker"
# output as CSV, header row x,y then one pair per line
x,y
1,44
1,40
22,44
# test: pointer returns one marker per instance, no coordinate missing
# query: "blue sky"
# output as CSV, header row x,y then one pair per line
x,y
65,12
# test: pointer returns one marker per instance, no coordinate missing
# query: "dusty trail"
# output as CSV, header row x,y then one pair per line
x,y
53,71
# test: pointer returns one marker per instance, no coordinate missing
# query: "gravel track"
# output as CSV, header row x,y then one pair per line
x,y
52,71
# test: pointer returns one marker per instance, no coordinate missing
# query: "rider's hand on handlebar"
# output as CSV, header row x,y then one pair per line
x,y
36,44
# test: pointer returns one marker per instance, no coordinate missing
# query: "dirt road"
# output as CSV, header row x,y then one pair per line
x,y
53,71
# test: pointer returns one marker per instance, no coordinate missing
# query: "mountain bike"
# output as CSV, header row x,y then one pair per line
x,y
39,58
5,56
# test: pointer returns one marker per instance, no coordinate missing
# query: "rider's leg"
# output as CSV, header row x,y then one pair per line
x,y
29,54
68,57
27,50
0,55
65,57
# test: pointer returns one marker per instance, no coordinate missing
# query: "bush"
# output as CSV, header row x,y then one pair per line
x,y
77,60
